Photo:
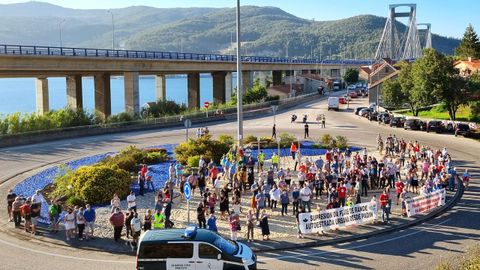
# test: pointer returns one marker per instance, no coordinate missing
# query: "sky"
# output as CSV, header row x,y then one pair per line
x,y
448,17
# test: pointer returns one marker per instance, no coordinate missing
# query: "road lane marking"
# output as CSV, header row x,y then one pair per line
x,y
64,256
353,248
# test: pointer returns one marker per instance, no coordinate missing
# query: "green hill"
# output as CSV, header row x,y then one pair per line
x,y
265,30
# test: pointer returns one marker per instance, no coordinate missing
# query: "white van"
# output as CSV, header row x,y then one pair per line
x,y
192,249
333,103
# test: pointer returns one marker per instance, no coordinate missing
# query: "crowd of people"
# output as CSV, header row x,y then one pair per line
x,y
338,178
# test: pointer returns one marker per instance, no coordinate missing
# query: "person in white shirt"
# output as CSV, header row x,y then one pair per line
x,y
275,196
218,185
38,199
305,196
131,201
136,224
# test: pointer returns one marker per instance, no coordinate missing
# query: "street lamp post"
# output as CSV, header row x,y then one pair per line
x,y
60,30
113,29
274,110
239,82
278,143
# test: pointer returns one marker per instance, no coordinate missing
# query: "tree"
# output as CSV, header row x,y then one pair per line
x,y
469,45
428,75
392,93
406,83
351,75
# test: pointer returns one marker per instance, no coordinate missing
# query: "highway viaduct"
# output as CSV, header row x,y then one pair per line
x,y
74,63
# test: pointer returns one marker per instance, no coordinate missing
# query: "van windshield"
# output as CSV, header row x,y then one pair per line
x,y
225,245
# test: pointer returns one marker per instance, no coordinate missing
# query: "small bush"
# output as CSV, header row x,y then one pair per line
x,y
127,163
327,140
341,142
193,161
250,139
226,139
75,201
272,98
93,184
155,157
205,145
122,117
287,139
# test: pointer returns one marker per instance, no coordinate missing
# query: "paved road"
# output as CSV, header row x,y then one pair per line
x,y
416,248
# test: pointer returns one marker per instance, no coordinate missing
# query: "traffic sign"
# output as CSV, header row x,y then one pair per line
x,y
187,190
206,104
188,123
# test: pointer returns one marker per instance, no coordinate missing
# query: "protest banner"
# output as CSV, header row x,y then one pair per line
x,y
426,202
337,218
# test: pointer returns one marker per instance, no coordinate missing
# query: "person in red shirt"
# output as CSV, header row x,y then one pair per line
x,y
342,194
144,170
293,150
399,185
384,198
213,174
117,220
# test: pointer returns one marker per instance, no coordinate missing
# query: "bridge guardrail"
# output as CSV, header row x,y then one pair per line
x,y
30,50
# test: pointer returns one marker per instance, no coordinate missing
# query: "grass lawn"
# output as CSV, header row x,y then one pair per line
x,y
438,112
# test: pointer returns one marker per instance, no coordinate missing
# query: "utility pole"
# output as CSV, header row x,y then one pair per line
x,y
239,82
61,20
113,28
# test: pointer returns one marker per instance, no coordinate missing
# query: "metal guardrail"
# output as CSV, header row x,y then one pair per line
x,y
154,55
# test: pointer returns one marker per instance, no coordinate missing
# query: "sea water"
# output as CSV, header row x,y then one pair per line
x,y
18,94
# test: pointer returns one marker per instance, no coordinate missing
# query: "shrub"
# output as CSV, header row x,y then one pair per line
x,y
210,149
92,184
193,161
122,117
341,142
127,163
250,139
75,201
163,107
155,157
287,139
272,98
226,139
327,140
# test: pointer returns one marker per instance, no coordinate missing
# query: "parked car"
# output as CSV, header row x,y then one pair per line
x,y
434,126
342,100
397,121
462,129
351,87
358,109
381,115
423,125
372,116
413,124
364,112
353,94
386,119
449,127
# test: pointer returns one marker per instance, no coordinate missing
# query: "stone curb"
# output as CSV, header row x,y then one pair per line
x,y
319,243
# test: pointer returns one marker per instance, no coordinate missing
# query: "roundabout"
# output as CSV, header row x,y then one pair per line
x,y
417,247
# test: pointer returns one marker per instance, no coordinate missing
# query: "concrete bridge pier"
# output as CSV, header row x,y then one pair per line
x,y
161,87
132,95
228,86
103,105
219,87
74,92
276,77
41,91
247,80
193,94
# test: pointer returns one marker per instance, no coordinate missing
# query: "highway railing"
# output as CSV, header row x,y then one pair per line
x,y
29,50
